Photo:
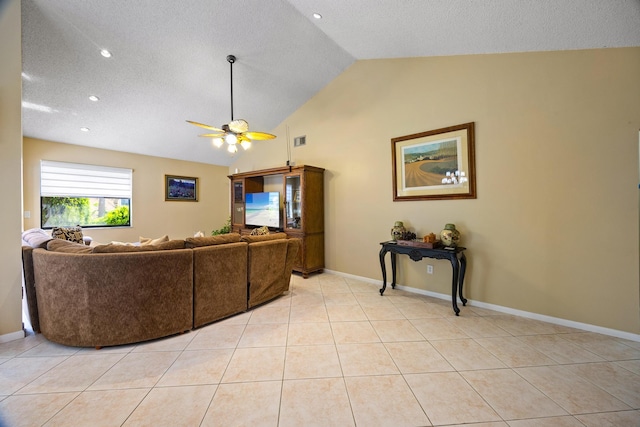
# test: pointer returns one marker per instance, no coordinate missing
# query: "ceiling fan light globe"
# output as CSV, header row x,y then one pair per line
x,y
217,142
246,144
232,148
231,138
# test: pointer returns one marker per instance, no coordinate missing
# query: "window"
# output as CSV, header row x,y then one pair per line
x,y
86,195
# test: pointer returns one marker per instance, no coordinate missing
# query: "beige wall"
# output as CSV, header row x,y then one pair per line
x,y
152,216
554,229
10,170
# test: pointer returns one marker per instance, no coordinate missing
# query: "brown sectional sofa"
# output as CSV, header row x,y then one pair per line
x,y
108,295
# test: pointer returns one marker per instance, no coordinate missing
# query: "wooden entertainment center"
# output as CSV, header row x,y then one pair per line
x,y
301,191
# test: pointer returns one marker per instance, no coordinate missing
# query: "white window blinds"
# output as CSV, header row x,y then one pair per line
x,y
58,179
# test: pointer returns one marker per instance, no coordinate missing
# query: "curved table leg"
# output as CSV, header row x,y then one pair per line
x,y
463,267
384,271
454,283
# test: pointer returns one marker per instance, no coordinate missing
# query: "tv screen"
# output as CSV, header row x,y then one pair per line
x,y
263,209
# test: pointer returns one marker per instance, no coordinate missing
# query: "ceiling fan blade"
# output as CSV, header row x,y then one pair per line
x,y
212,135
239,126
205,126
258,136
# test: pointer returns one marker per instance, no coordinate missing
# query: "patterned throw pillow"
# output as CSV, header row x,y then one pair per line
x,y
72,234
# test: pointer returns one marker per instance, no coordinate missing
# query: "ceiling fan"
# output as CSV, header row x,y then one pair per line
x,y
236,131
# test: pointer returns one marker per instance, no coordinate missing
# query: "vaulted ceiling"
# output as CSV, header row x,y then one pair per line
x,y
169,64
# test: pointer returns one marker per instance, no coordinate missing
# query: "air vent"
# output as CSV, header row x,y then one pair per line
x,y
299,140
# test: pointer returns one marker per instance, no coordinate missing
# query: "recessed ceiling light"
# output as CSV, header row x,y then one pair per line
x,y
94,98
105,53
317,15
85,129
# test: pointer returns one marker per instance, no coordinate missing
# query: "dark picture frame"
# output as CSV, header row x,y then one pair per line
x,y
180,188
435,165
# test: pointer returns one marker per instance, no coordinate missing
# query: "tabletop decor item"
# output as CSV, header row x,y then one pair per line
x,y
450,236
397,230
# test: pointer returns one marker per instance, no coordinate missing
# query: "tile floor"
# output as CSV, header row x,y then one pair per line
x,y
333,352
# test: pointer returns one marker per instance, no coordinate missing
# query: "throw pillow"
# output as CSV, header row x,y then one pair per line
x,y
262,238
60,245
149,241
72,234
36,238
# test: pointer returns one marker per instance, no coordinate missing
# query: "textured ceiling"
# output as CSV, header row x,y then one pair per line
x,y
169,57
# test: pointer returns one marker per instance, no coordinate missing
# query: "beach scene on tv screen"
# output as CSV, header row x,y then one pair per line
x,y
263,209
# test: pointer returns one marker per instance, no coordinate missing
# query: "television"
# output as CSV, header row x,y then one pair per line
x,y
262,209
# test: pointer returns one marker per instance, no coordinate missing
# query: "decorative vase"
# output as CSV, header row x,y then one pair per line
x,y
450,236
398,230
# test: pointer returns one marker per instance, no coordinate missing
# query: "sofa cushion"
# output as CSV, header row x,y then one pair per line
x,y
195,242
59,245
149,241
73,234
36,237
263,237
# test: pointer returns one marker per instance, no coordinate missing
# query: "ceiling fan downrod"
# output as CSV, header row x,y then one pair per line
x,y
231,59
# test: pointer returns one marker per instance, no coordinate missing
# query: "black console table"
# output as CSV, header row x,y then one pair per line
x,y
417,253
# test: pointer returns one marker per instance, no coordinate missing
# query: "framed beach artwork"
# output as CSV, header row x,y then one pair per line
x,y
435,165
180,188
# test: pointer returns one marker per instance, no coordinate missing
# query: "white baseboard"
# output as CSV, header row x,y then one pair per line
x,y
507,310
12,336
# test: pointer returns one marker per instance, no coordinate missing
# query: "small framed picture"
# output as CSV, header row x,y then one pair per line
x,y
180,188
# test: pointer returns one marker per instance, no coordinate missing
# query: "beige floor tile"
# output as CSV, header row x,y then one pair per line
x,y
74,374
566,421
173,406
630,365
521,326
360,286
416,310
510,395
174,343
48,348
197,367
309,333
255,364
513,352
417,357
32,410
478,327
496,424
270,314
575,394
366,299
345,313
20,371
315,402
340,287
606,347
440,309
136,370
365,359
307,298
396,330
303,314
353,332
559,349
237,319
254,404
382,312
447,399
17,347
218,335
103,408
612,378
264,335
466,354
438,329
611,419
312,361
339,299
384,400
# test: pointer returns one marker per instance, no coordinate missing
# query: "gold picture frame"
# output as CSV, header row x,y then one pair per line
x,y
180,188
435,165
